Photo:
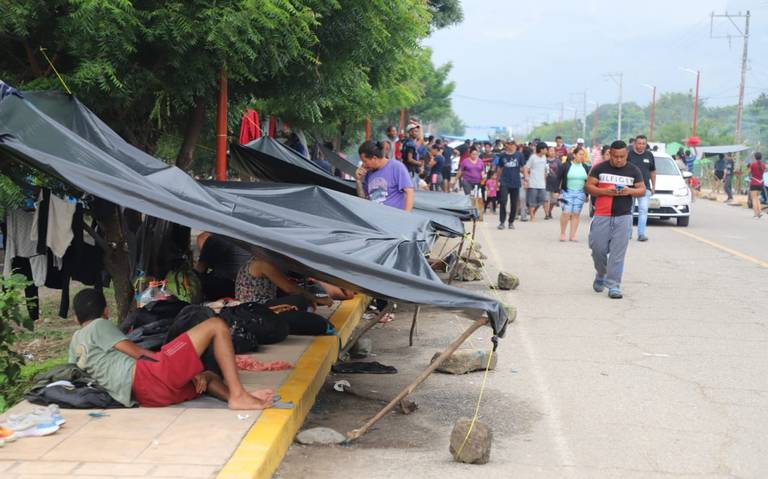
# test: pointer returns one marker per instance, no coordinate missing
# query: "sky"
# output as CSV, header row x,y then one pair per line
x,y
515,62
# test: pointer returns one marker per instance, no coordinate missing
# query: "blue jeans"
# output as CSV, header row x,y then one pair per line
x,y
642,209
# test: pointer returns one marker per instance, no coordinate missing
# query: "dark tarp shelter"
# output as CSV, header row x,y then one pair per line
x,y
325,203
269,160
58,135
344,164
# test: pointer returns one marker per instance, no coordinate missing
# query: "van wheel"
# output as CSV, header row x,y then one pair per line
x,y
683,220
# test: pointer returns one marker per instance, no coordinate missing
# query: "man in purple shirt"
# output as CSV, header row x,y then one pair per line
x,y
382,180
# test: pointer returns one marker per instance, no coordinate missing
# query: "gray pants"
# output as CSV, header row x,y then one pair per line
x,y
608,238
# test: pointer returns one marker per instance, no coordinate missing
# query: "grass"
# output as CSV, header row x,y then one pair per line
x,y
45,346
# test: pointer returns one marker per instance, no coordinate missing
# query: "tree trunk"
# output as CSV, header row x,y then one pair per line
x,y
34,64
116,256
191,134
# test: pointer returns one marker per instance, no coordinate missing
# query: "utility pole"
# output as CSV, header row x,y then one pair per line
x,y
653,109
696,72
583,96
618,78
744,57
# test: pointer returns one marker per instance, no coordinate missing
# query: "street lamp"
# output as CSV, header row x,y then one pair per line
x,y
653,109
696,98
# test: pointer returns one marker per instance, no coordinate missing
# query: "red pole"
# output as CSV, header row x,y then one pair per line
x,y
368,129
402,120
221,129
696,104
653,114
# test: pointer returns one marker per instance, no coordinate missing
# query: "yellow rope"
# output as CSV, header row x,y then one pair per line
x,y
472,242
42,50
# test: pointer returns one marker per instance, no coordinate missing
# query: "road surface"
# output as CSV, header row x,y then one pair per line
x,y
670,382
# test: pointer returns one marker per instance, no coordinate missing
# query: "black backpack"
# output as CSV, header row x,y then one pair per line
x,y
253,324
85,393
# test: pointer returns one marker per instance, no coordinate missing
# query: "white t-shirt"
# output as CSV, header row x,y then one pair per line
x,y
537,166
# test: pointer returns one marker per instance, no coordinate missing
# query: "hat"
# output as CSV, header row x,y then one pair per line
x,y
580,140
412,126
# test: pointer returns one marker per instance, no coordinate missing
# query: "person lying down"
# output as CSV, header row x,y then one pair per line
x,y
175,374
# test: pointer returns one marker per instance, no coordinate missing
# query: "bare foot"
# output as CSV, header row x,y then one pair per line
x,y
262,394
246,401
562,237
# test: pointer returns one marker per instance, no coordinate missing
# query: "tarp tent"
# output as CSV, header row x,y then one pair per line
x,y
268,159
719,149
344,164
55,133
325,203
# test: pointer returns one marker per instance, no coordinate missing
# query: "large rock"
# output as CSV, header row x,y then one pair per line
x,y
362,348
464,361
507,281
468,272
477,447
477,263
320,436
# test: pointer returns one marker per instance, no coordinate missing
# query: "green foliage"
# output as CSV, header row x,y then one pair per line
x,y
11,319
673,122
445,12
450,124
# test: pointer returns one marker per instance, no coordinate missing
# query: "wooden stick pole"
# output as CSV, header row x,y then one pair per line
x,y
413,325
357,433
472,242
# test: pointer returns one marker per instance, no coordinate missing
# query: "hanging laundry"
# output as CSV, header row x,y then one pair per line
x,y
250,129
59,235
20,242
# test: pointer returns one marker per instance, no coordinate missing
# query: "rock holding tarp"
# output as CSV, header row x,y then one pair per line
x,y
320,436
464,361
475,449
507,281
468,272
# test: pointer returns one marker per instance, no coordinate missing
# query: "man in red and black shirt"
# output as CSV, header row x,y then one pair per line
x,y
613,183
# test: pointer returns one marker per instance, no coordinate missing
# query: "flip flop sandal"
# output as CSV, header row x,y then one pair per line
x,y
387,318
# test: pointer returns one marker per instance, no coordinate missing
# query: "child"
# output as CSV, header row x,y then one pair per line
x,y
491,187
132,374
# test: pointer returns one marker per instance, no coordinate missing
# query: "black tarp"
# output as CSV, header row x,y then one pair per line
x,y
268,159
344,164
58,135
330,204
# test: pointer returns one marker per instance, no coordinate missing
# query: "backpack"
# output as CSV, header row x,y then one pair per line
x,y
84,392
152,312
184,283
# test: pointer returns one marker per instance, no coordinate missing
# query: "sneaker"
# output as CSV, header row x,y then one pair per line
x,y
7,435
598,285
28,425
500,227
511,226
642,238
523,219
615,293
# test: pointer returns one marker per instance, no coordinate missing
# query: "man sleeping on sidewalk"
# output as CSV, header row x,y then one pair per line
x,y
132,374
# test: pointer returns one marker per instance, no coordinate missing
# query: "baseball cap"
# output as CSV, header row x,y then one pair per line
x,y
580,140
412,126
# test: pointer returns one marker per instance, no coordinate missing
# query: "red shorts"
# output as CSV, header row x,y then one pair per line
x,y
166,377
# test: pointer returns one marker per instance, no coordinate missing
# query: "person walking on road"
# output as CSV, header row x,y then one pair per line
x,y
640,156
613,183
470,173
508,168
535,172
719,173
730,168
572,178
553,182
756,183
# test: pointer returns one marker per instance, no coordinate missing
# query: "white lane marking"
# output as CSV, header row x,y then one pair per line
x,y
551,412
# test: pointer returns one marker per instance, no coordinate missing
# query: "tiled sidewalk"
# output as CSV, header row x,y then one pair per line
x,y
194,440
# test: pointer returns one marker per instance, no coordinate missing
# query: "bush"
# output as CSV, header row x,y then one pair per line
x,y
12,303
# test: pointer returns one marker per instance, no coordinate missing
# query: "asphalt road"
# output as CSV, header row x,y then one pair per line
x,y
669,382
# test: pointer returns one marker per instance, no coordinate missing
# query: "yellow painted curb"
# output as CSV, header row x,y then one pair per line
x,y
263,448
